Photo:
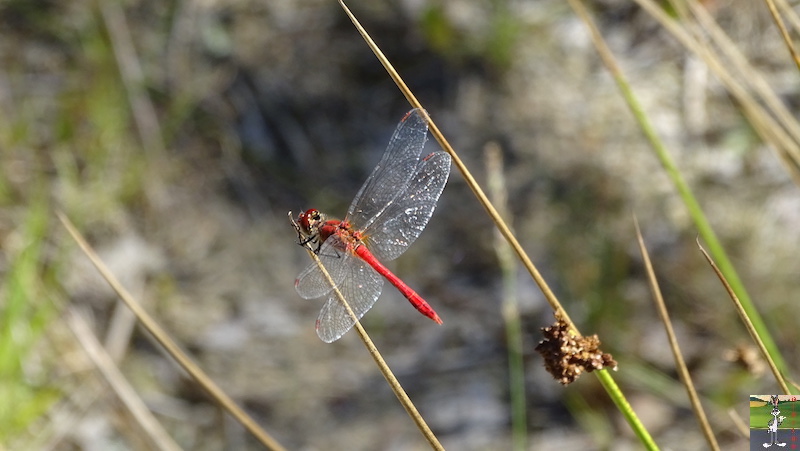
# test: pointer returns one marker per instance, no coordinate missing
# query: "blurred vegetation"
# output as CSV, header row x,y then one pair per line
x,y
492,42
26,310
66,143
271,107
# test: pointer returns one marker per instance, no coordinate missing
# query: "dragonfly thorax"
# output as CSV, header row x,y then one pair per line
x,y
315,228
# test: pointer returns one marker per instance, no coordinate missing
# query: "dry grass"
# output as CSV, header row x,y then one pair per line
x,y
178,145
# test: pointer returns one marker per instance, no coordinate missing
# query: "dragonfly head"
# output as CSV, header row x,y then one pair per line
x,y
310,222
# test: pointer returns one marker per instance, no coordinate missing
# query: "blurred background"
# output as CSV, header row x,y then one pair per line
x,y
177,135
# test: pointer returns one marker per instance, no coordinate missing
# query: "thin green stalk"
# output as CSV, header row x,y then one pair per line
x,y
617,395
627,411
510,309
516,370
747,322
693,206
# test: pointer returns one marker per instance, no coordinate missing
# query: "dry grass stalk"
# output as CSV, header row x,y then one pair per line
x,y
680,364
747,322
474,186
784,32
163,338
125,392
605,378
394,384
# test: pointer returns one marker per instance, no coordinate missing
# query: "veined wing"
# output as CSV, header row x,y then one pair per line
x,y
393,172
404,219
360,288
312,283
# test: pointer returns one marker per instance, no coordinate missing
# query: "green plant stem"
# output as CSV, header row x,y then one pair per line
x,y
510,308
516,369
627,411
693,206
492,212
747,322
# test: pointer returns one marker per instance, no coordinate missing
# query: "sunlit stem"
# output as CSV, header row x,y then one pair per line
x,y
398,390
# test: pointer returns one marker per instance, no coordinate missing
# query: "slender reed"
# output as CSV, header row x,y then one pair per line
x,y
476,189
508,267
673,343
384,368
685,192
607,381
748,322
776,17
168,344
105,364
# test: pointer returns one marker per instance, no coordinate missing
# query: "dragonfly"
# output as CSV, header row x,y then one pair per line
x,y
387,215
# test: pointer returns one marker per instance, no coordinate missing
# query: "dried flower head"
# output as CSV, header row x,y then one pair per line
x,y
567,354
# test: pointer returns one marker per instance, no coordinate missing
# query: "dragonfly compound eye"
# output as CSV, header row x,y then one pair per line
x,y
309,221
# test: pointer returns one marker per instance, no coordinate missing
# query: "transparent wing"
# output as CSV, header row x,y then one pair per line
x,y
404,219
361,289
396,168
312,283
357,281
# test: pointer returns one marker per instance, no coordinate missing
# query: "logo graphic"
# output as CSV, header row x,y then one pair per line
x,y
773,421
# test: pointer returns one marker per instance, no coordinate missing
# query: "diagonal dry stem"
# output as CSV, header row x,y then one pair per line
x,y
603,375
398,390
169,345
105,364
779,127
740,425
687,196
747,322
673,343
736,66
790,13
784,32
476,189
130,68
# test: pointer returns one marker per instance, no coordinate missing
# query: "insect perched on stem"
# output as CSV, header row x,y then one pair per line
x,y
387,215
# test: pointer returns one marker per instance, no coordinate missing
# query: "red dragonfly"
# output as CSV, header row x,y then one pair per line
x,y
389,212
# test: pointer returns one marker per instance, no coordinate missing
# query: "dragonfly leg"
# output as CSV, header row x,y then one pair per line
x,y
304,240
